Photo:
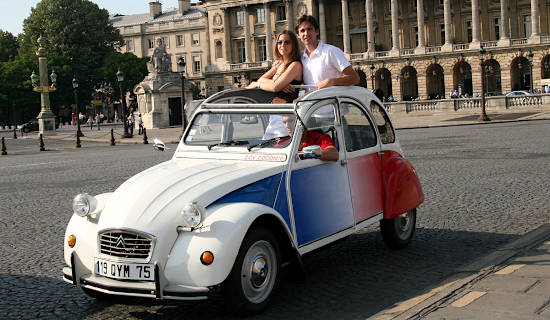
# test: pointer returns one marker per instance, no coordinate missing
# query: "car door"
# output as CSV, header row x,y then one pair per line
x,y
319,190
363,160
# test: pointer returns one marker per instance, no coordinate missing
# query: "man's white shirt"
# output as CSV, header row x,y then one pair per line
x,y
326,61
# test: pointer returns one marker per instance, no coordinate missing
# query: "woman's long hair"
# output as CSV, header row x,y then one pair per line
x,y
294,54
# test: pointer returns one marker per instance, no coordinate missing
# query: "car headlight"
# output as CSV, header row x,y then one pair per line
x,y
193,214
84,204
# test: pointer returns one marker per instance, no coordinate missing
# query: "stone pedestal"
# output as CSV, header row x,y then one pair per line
x,y
46,124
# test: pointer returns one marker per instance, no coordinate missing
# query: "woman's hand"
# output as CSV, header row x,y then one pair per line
x,y
253,85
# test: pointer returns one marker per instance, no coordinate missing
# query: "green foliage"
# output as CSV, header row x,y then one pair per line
x,y
133,68
8,46
16,93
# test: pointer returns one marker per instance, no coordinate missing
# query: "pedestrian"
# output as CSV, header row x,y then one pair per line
x,y
131,123
91,122
73,117
97,120
140,124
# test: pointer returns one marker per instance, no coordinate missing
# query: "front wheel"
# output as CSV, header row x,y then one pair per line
x,y
255,274
398,232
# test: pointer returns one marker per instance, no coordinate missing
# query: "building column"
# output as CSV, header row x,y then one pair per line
x,y
227,35
420,24
268,32
535,24
395,28
290,14
345,27
322,21
476,38
370,28
247,43
504,24
448,46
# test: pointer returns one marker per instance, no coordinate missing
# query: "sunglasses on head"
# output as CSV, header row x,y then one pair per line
x,y
283,42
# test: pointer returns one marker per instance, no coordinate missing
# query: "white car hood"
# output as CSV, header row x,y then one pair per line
x,y
151,200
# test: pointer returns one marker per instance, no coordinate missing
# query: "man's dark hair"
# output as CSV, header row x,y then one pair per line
x,y
307,18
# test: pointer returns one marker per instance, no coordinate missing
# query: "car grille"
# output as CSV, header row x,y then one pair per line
x,y
125,244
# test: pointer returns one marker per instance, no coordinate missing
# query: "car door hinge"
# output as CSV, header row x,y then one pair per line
x,y
343,162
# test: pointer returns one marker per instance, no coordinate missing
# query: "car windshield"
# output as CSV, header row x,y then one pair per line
x,y
248,130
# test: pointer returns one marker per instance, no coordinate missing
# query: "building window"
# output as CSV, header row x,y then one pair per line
x,y
129,45
240,18
391,37
219,53
260,15
469,30
415,30
196,64
442,31
166,42
179,40
151,43
262,56
441,2
526,25
497,28
414,3
184,60
196,39
281,13
241,51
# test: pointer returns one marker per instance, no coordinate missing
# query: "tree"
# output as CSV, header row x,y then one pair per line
x,y
134,69
8,46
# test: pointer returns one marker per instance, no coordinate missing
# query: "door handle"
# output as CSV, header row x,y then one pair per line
x,y
343,162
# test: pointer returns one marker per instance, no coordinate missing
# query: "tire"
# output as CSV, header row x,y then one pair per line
x,y
255,274
398,232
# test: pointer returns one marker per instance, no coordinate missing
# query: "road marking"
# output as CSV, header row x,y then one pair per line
x,y
509,269
468,298
37,164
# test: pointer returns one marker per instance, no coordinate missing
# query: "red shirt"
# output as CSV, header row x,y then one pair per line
x,y
316,138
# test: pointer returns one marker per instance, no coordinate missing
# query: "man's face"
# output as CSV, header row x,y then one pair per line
x,y
290,123
307,33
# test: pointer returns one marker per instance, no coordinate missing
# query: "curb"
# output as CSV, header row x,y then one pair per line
x,y
468,123
435,298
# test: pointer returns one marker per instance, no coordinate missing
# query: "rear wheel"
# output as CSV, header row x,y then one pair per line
x,y
255,274
398,232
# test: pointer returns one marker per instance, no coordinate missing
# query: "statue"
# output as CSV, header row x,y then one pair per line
x,y
160,60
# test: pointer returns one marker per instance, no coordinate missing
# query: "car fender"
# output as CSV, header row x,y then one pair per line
x,y
85,231
225,228
402,189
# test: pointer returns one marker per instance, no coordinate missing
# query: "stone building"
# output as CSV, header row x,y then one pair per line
x,y
434,50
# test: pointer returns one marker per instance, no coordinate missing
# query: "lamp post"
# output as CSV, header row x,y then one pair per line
x,y
120,79
181,63
530,56
78,132
46,118
483,116
372,75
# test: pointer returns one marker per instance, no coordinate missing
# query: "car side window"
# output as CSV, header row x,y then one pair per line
x,y
358,130
385,129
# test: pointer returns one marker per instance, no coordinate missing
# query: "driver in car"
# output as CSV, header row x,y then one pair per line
x,y
310,138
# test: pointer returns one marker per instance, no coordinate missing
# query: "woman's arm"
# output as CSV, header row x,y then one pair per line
x,y
266,76
293,72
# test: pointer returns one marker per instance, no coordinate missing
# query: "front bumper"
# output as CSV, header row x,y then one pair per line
x,y
143,289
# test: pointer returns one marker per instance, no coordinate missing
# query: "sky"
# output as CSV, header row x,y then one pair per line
x,y
13,12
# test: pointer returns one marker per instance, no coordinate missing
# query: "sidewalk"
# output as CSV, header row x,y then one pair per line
x,y
511,283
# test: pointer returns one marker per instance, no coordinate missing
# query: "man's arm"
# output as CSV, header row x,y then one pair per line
x,y
329,154
350,78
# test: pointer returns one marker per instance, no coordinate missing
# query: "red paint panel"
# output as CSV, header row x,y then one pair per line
x,y
365,176
402,190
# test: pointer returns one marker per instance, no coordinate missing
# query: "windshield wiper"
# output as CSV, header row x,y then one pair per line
x,y
266,142
228,143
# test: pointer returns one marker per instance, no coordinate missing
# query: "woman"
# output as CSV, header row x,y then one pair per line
x,y
286,70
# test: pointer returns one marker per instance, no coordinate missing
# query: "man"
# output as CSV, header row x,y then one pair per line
x,y
323,65
309,138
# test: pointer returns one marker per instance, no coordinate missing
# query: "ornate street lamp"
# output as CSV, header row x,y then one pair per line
x,y
530,56
46,118
120,79
372,75
181,64
483,116
78,132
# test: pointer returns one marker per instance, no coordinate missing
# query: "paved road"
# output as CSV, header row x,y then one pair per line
x,y
485,186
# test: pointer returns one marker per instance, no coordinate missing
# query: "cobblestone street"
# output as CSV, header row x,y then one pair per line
x,y
485,185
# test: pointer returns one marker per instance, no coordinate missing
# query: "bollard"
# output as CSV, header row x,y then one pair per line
x,y
78,140
145,136
42,143
112,137
4,152
14,133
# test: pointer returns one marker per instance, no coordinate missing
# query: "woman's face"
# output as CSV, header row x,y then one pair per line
x,y
284,45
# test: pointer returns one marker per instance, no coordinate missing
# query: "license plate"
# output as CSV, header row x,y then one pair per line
x,y
124,271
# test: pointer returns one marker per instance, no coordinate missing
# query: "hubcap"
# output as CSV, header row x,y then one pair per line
x,y
404,225
259,271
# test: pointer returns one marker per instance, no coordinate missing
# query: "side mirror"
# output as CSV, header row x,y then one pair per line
x,y
159,145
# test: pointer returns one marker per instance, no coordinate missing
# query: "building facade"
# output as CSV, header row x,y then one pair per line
x,y
434,50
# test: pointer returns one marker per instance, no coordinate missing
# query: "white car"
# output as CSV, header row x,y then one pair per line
x,y
240,198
